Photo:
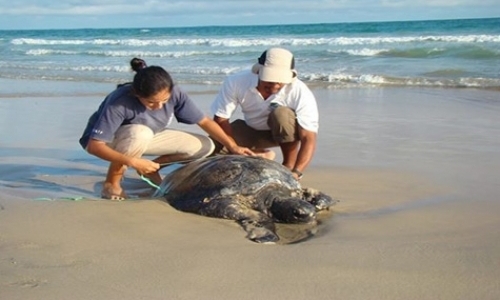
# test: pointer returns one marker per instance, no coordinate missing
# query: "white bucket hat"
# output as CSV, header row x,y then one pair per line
x,y
276,65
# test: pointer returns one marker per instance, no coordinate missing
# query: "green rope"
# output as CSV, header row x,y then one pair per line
x,y
148,181
76,198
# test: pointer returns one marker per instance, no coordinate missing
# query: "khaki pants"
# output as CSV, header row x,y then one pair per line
x,y
137,140
283,124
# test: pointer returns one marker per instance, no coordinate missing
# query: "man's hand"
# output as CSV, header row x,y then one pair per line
x,y
297,174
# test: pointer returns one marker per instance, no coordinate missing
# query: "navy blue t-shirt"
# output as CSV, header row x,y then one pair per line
x,y
121,107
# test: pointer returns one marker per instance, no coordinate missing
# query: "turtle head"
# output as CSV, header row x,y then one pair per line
x,y
292,210
320,200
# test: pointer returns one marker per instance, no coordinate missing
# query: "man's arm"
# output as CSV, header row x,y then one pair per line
x,y
307,147
224,124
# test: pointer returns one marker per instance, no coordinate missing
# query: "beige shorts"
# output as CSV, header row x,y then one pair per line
x,y
138,140
283,123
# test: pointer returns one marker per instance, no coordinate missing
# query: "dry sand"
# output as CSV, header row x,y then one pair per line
x,y
416,172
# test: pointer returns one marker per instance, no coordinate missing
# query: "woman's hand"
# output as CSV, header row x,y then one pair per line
x,y
241,151
144,166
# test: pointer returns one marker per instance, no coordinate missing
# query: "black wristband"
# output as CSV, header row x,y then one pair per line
x,y
299,174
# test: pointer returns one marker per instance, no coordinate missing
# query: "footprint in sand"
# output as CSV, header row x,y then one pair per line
x,y
29,283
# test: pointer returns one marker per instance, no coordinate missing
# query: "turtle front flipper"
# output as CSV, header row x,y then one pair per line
x,y
258,226
260,231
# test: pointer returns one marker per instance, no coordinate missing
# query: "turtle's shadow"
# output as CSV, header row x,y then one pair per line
x,y
298,233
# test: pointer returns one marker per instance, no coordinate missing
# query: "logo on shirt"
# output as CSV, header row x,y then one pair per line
x,y
273,105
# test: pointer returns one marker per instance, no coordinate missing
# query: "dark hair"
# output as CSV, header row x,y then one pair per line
x,y
137,64
148,81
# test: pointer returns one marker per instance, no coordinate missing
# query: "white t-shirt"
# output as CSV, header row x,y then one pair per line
x,y
240,90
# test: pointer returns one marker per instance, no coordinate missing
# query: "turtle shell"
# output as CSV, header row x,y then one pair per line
x,y
224,177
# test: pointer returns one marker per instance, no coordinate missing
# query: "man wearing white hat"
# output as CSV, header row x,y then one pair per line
x,y
278,110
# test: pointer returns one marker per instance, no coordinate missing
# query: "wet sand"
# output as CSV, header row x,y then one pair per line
x,y
416,171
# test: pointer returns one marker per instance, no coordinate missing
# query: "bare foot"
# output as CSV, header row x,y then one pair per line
x,y
112,192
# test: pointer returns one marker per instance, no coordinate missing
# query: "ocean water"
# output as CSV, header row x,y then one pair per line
x,y
447,53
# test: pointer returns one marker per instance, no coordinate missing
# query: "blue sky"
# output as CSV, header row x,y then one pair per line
x,y
50,14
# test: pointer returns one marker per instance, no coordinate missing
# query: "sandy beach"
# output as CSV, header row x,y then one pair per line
x,y
416,171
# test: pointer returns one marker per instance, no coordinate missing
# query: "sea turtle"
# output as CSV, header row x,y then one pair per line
x,y
253,191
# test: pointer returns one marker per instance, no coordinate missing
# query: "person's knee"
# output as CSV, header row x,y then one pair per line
x,y
282,114
204,147
283,123
132,140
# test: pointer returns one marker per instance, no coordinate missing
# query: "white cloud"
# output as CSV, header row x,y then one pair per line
x,y
154,13
436,3
114,7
